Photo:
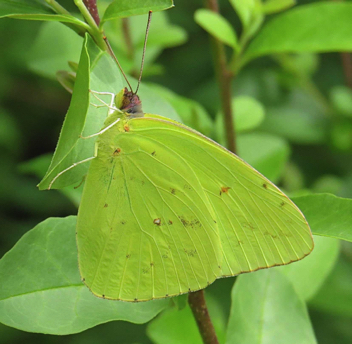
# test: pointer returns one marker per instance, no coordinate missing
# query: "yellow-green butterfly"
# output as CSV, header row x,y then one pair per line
x,y
165,211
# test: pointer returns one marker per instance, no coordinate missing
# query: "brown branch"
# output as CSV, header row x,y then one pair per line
x,y
93,10
127,36
129,44
199,308
347,68
224,76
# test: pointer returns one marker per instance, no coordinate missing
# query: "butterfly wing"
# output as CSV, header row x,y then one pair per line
x,y
259,226
166,210
145,226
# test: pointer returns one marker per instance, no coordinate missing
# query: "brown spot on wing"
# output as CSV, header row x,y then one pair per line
x,y
224,189
157,221
117,151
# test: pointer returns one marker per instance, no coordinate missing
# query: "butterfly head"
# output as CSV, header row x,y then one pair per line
x,y
129,102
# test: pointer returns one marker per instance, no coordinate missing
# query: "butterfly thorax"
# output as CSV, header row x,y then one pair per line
x,y
130,103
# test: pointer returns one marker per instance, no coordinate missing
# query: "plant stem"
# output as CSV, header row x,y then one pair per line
x,y
224,76
93,10
199,308
347,68
93,30
80,29
57,7
127,36
129,44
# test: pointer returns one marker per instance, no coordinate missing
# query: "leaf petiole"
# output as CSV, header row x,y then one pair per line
x,y
80,29
57,7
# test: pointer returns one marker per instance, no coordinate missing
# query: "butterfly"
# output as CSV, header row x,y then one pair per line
x,y
166,211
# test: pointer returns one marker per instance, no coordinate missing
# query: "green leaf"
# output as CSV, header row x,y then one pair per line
x,y
341,134
335,296
162,33
327,215
41,290
179,326
154,104
127,8
297,126
244,9
73,125
341,98
217,26
305,29
34,10
300,120
174,327
191,112
266,308
66,79
97,71
266,153
309,274
24,7
248,114
54,46
180,301
39,165
273,6
328,184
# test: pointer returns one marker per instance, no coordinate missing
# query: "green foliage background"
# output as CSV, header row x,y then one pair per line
x,y
299,135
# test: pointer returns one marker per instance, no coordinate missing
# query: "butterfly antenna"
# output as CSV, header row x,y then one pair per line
x,y
117,61
144,48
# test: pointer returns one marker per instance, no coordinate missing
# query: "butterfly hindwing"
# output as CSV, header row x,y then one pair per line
x,y
145,226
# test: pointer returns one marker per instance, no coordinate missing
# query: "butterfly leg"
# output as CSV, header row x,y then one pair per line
x,y
101,131
103,105
67,169
110,106
81,182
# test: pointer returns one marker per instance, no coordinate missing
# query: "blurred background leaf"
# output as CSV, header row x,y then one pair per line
x,y
118,9
42,270
260,301
217,26
305,29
